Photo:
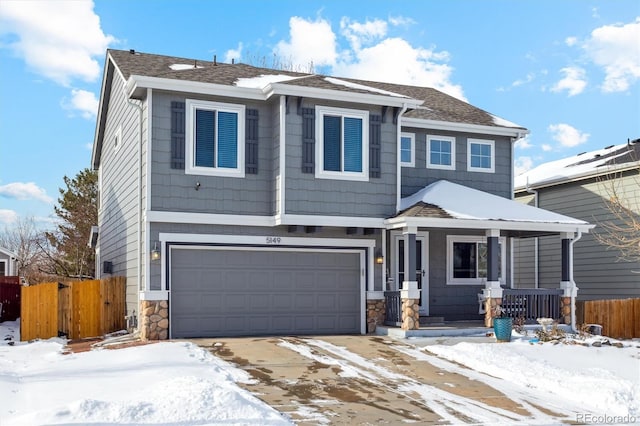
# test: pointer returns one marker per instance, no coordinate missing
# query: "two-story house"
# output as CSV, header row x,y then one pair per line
x,y
244,201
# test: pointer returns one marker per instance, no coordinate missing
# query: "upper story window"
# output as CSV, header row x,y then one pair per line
x,y
467,259
480,155
214,138
441,152
407,149
343,148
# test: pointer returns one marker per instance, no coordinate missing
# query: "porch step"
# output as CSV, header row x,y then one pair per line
x,y
429,320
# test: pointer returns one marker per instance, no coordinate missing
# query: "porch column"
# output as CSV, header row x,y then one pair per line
x,y
492,291
566,279
410,295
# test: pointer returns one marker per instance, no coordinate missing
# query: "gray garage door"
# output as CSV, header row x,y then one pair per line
x,y
231,292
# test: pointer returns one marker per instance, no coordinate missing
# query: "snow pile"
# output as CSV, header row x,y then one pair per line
x,y
182,67
601,380
163,383
353,85
263,80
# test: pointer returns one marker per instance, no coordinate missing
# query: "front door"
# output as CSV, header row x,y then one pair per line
x,y
422,272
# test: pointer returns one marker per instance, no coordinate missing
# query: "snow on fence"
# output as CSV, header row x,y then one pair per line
x,y
620,318
76,309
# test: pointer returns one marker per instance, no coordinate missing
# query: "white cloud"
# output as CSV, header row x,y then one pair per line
x,y
309,42
358,33
574,81
571,41
372,54
397,21
524,143
521,165
616,49
8,216
233,54
567,135
546,147
83,101
24,191
89,146
528,79
57,39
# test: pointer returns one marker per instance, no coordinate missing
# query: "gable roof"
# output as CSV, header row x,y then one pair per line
x,y
8,253
581,166
448,204
426,106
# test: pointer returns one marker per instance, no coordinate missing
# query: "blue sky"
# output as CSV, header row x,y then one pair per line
x,y
569,71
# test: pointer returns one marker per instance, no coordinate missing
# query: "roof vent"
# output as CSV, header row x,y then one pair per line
x,y
215,60
132,51
610,146
597,156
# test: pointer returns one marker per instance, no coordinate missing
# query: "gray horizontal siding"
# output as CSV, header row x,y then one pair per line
x,y
118,215
498,183
174,190
307,195
598,271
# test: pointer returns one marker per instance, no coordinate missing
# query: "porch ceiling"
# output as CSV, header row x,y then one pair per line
x,y
444,204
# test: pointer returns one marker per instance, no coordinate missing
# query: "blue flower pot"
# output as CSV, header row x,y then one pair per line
x,y
502,328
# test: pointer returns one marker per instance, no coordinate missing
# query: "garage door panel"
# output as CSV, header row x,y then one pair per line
x,y
257,292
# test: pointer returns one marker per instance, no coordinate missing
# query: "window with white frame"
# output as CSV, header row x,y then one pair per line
x,y
467,259
214,138
441,152
342,143
480,155
407,149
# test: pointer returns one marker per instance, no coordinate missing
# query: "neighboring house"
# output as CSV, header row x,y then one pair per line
x,y
240,200
580,186
8,263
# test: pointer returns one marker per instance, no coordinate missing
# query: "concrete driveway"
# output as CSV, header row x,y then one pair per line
x,y
365,380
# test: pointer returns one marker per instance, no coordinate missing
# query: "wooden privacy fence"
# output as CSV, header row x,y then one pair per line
x,y
620,318
76,309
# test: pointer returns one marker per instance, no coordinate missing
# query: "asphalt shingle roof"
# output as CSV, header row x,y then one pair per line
x,y
437,106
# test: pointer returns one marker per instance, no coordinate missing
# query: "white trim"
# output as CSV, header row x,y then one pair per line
x,y
147,206
265,221
262,240
399,122
489,142
191,106
154,295
137,82
395,237
433,222
464,127
281,187
412,140
363,115
375,295
440,138
451,239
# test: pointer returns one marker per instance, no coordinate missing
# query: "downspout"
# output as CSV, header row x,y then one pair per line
x,y
139,178
535,241
573,283
398,167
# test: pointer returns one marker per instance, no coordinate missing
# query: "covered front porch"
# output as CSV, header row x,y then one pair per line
x,y
448,262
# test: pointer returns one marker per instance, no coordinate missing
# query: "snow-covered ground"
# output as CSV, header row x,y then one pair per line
x,y
178,383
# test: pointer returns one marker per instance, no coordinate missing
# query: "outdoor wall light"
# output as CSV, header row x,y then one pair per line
x,y
379,257
155,253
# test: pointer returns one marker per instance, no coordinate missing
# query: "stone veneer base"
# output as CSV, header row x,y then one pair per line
x,y
155,320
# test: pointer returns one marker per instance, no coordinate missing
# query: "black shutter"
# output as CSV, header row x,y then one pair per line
x,y
375,134
308,139
177,135
251,142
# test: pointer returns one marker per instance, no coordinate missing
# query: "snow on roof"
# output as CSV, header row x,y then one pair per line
x,y
566,168
462,202
353,85
182,67
263,80
502,122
